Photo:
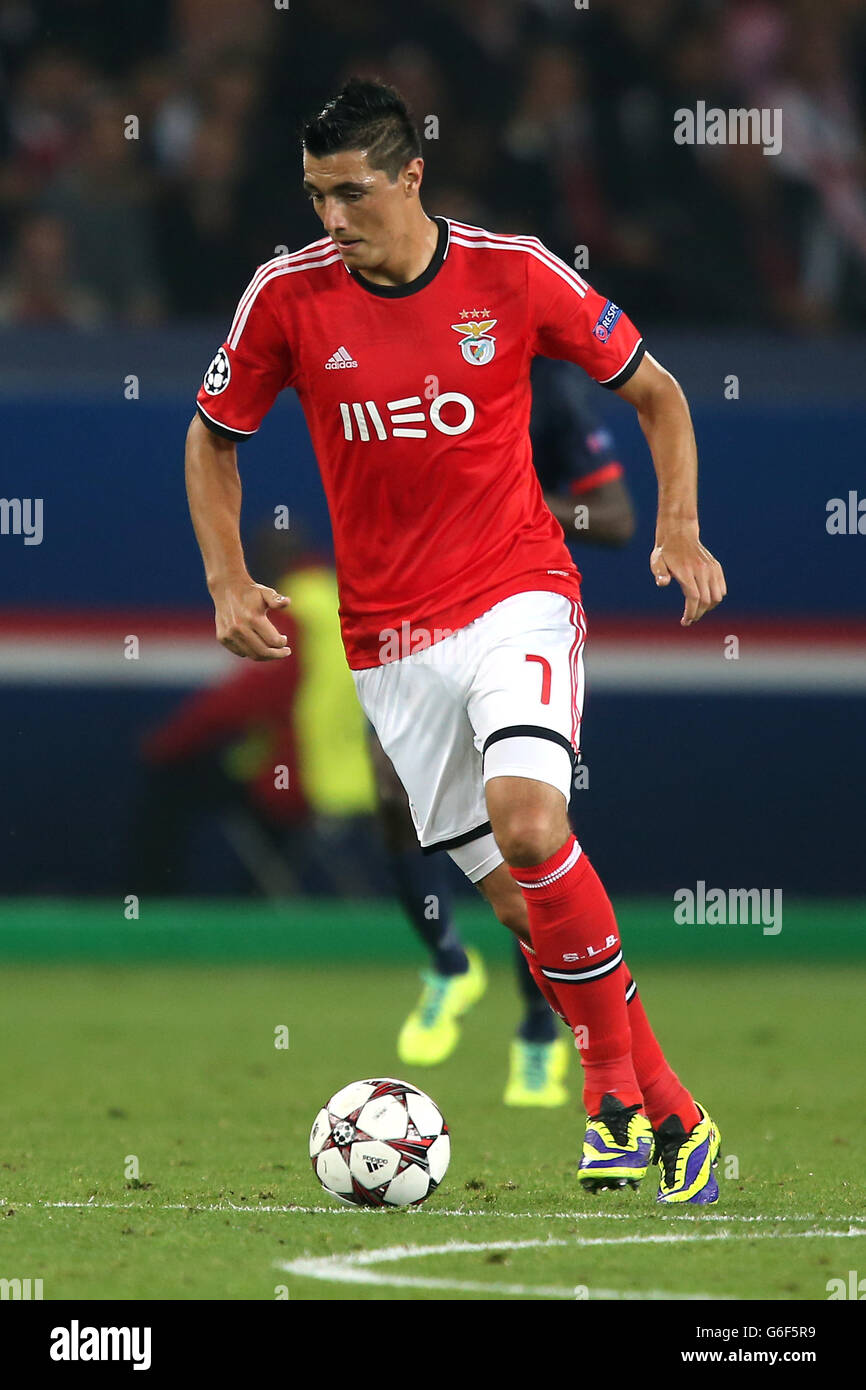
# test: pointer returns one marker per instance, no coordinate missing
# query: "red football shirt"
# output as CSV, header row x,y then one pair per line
x,y
417,398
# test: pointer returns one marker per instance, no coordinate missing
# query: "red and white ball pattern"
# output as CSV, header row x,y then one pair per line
x,y
380,1143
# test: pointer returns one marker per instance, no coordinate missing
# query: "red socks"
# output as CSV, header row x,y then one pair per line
x,y
544,985
576,942
570,916
663,1092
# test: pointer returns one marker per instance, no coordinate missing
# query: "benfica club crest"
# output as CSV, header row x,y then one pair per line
x,y
476,343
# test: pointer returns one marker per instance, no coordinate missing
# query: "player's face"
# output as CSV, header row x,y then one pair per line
x,y
360,209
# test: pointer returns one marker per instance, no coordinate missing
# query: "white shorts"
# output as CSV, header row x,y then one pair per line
x,y
501,697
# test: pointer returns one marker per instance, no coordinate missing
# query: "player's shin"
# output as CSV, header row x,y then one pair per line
x,y
663,1092
538,976
577,946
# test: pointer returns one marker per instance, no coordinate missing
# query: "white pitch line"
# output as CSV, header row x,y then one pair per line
x,y
352,1269
417,1213
390,1253
343,1275
701,1237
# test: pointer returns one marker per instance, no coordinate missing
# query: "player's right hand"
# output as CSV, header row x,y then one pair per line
x,y
678,554
242,623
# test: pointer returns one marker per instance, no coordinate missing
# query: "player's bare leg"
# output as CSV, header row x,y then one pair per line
x,y
507,901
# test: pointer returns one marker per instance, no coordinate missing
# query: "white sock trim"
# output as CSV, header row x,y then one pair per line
x,y
565,867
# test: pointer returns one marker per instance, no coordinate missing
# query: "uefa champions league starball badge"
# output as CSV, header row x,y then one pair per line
x,y
218,374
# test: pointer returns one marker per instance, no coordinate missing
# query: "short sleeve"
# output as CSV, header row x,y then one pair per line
x,y
569,319
572,449
250,369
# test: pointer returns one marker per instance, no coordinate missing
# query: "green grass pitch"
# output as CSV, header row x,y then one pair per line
x,y
170,1069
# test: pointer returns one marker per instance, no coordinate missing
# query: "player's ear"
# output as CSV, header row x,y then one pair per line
x,y
412,176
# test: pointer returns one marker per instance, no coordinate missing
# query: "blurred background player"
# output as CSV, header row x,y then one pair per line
x,y
274,755
583,486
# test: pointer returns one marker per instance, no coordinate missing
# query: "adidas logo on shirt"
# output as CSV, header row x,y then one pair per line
x,y
341,358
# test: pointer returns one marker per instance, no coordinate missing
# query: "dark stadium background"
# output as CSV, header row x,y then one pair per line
x,y
125,257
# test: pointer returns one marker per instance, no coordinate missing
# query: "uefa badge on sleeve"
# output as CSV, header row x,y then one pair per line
x,y
476,344
218,374
607,321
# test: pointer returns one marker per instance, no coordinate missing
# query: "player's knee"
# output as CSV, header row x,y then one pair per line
x,y
528,836
528,813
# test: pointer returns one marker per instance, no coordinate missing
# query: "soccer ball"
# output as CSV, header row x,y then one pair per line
x,y
380,1143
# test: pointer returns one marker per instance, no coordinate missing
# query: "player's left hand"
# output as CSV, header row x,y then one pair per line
x,y
678,554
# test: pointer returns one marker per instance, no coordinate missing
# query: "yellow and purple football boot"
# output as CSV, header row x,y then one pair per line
x,y
617,1147
687,1161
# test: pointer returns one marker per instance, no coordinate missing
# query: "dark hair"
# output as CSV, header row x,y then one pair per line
x,y
366,115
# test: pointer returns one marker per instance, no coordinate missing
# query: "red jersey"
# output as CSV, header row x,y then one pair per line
x,y
417,399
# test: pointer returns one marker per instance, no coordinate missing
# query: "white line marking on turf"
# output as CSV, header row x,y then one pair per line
x,y
353,1269
419,1214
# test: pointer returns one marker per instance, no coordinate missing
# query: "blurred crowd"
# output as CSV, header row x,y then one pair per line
x,y
149,154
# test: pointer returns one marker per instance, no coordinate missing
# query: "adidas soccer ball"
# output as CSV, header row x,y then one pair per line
x,y
380,1143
